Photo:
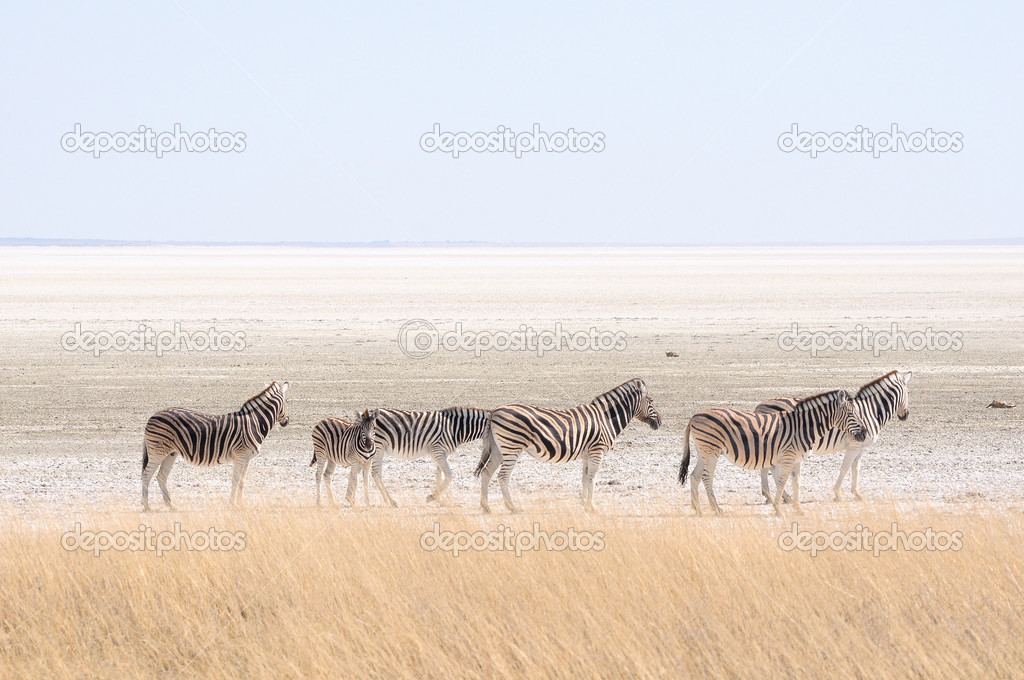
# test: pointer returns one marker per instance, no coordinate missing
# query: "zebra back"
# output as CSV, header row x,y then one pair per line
x,y
410,434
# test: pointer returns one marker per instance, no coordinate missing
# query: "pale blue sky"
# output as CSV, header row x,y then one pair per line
x,y
333,99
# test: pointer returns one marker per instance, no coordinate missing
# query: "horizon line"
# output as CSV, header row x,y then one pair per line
x,y
69,242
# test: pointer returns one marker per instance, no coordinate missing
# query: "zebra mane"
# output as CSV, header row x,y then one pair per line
x,y
625,388
812,402
251,403
875,385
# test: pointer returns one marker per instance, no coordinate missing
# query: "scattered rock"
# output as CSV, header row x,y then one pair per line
x,y
672,354
1001,404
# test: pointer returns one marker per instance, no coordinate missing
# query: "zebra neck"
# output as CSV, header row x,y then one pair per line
x,y
261,416
618,410
876,410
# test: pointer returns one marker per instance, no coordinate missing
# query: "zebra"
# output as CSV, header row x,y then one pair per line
x,y
210,440
875,403
408,435
340,442
585,432
755,441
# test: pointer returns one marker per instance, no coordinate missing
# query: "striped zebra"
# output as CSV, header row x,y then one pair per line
x,y
408,435
586,433
875,404
210,440
755,441
339,442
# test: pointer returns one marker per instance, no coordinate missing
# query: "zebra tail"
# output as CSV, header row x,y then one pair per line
x,y
684,466
486,453
145,455
313,462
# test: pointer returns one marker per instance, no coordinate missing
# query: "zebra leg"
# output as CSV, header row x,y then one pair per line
x,y
319,478
328,478
786,498
708,477
785,469
493,461
353,485
238,479
854,474
161,478
848,459
796,489
593,465
766,490
366,483
583,483
695,479
443,478
376,464
152,463
504,475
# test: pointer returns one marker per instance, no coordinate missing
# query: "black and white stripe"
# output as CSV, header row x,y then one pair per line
x,y
874,405
755,441
408,435
586,432
211,440
340,442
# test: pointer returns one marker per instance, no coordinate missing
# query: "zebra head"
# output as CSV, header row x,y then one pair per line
x,y
849,421
365,443
645,411
902,411
823,412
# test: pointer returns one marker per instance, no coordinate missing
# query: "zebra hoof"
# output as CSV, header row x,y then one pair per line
x,y
858,497
394,504
486,509
431,498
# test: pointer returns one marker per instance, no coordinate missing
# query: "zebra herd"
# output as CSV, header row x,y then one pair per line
x,y
775,437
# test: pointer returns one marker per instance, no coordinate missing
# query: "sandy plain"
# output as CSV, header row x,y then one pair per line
x,y
330,320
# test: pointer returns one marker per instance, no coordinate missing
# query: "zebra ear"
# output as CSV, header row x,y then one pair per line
x,y
908,376
375,414
284,386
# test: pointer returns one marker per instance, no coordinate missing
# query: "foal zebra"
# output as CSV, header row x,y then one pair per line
x,y
875,404
408,435
339,442
210,440
755,441
585,432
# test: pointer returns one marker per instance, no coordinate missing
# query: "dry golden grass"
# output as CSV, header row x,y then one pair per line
x,y
352,594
